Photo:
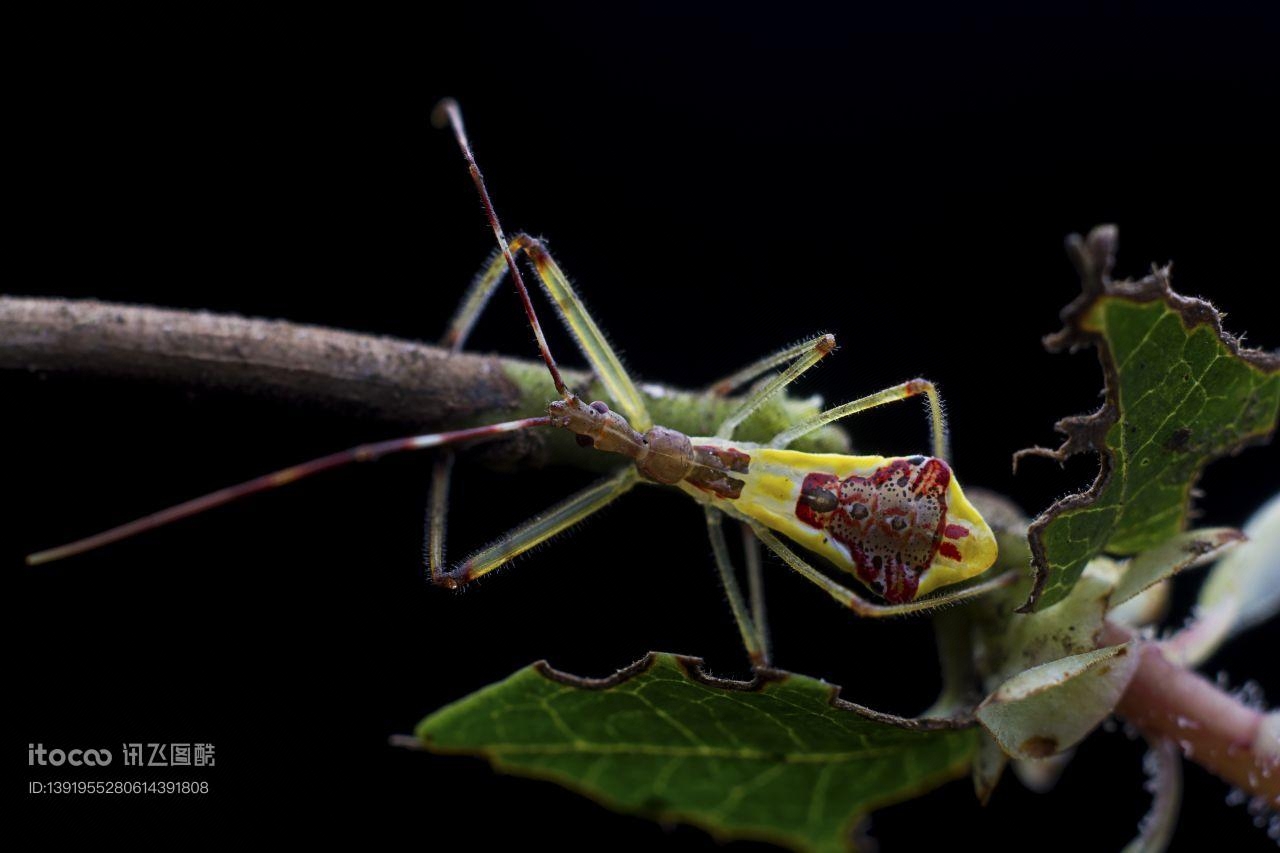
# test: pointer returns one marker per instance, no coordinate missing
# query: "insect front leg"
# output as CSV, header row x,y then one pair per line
x,y
752,631
911,388
477,297
537,530
619,386
802,357
438,512
738,378
468,312
862,606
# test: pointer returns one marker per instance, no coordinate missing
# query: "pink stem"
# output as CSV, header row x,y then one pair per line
x,y
1214,729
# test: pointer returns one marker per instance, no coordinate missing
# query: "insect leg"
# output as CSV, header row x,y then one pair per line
x,y
606,365
746,626
937,420
807,355
741,377
476,299
618,385
538,529
755,588
862,606
438,511
455,338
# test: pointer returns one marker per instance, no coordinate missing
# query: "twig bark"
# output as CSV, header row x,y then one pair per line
x,y
415,385
380,377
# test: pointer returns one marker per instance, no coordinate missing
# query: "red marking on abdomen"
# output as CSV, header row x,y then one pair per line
x,y
946,549
891,522
955,531
712,469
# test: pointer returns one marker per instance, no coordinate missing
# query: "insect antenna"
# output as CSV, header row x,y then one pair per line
x,y
447,113
266,482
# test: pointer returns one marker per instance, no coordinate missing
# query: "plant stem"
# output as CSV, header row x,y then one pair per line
x,y
409,384
1212,727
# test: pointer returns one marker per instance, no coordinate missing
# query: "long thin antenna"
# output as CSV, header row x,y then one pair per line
x,y
447,113
360,453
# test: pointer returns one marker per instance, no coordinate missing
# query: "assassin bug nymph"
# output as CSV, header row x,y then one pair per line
x,y
900,525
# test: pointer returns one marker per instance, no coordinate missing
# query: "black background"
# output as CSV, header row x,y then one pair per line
x,y
718,185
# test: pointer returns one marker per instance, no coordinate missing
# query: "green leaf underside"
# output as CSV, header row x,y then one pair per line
x,y
1176,554
780,759
1183,398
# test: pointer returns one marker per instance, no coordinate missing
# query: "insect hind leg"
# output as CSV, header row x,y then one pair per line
x,y
750,622
755,588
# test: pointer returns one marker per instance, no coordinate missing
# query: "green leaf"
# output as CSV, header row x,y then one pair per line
x,y
1180,392
782,758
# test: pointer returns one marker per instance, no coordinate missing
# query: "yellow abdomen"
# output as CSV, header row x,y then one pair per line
x,y
901,525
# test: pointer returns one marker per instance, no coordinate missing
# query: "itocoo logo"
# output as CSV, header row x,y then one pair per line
x,y
37,754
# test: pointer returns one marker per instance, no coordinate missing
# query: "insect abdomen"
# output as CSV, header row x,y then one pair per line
x,y
900,525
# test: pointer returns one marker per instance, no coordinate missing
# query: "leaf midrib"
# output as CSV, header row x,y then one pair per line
x,y
664,751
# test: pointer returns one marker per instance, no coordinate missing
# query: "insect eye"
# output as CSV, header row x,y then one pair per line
x,y
859,511
916,460
898,523
601,406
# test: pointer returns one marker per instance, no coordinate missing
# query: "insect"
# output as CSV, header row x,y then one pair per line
x,y
900,526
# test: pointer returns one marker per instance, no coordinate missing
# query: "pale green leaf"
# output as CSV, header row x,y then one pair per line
x,y
1051,707
1184,551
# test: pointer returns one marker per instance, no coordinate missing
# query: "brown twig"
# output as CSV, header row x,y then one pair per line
x,y
380,377
409,384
